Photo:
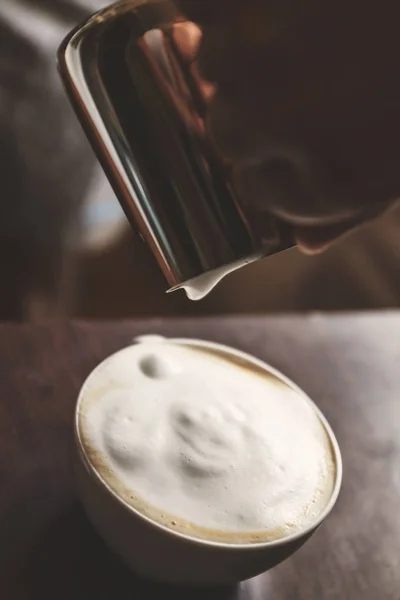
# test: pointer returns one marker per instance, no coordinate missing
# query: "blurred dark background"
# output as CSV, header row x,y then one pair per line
x,y
65,247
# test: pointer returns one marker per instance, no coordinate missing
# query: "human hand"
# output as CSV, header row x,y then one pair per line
x,y
306,107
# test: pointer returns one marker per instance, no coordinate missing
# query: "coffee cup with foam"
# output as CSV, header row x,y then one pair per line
x,y
201,464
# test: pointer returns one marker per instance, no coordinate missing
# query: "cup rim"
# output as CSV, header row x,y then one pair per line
x,y
227,350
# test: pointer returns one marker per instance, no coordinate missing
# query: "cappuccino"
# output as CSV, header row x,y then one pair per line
x,y
206,444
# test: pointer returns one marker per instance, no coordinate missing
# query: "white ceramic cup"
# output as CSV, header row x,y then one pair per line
x,y
156,552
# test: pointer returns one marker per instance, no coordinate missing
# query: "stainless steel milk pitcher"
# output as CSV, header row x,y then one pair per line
x,y
140,106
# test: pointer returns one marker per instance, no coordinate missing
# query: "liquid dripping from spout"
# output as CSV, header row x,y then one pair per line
x,y
199,287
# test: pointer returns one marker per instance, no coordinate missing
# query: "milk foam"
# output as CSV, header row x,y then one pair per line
x,y
205,445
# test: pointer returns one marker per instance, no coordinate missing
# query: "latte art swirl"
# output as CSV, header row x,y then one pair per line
x,y
205,445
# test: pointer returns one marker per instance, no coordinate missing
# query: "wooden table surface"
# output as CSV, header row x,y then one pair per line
x,y
350,365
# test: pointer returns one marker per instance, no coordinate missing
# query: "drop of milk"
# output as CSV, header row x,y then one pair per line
x,y
199,287
157,367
